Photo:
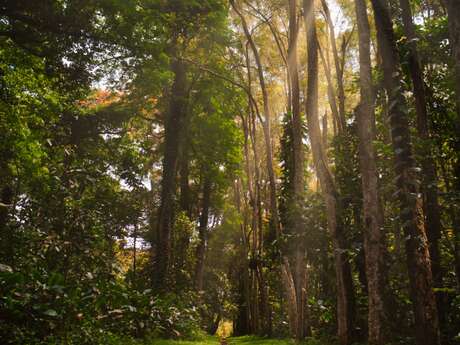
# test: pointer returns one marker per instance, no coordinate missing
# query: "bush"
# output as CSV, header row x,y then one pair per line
x,y
38,307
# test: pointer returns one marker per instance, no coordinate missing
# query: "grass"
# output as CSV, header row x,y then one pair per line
x,y
204,341
246,340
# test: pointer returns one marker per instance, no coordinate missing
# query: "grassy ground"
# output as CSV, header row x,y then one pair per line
x,y
204,341
251,340
247,340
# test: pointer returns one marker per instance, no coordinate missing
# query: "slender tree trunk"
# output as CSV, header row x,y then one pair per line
x,y
300,283
6,236
411,215
330,92
290,295
324,131
429,179
453,13
241,325
274,219
173,132
246,301
275,228
202,235
185,198
257,222
345,298
135,254
373,241
338,68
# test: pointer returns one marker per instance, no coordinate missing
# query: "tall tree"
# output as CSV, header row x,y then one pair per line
x,y
275,228
298,173
337,65
373,232
174,122
429,176
453,13
266,122
344,283
410,203
203,233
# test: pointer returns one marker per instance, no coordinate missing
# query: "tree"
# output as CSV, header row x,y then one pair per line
x,y
298,180
373,234
344,283
410,204
453,13
429,175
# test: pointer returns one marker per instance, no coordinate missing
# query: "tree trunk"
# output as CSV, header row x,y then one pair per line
x,y
453,14
173,133
274,219
345,298
245,318
202,235
338,68
373,241
275,228
411,215
290,295
185,197
6,235
302,329
257,222
429,179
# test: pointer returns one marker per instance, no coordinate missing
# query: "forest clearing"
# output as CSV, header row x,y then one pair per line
x,y
229,172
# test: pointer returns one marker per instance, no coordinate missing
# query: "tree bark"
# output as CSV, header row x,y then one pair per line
x,y
257,222
453,14
345,298
202,234
173,133
6,235
338,68
429,175
289,295
300,284
275,228
274,219
330,93
185,197
411,215
373,241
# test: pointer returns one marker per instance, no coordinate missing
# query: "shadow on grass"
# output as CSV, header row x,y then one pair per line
x,y
258,341
246,340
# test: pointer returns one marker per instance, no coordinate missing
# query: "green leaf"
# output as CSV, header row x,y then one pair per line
x,y
51,312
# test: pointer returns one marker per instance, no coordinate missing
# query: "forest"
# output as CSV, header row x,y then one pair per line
x,y
233,172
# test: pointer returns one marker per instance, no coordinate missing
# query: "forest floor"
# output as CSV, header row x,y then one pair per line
x,y
246,340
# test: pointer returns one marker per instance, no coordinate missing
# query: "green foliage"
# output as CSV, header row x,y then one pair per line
x,y
267,341
204,340
41,306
